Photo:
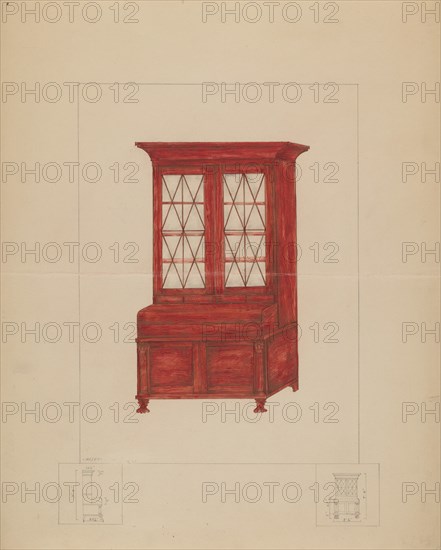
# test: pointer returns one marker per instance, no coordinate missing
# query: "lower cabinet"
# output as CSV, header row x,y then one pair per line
x,y
191,370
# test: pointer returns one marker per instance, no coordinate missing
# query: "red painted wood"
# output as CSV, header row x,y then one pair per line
x,y
200,371
210,235
282,350
217,246
200,313
223,151
259,349
143,387
173,367
157,239
218,341
286,240
230,366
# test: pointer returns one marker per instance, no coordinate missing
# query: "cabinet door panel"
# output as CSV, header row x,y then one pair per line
x,y
171,368
230,368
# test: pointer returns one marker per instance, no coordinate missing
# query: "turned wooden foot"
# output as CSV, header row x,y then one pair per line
x,y
295,386
260,408
143,402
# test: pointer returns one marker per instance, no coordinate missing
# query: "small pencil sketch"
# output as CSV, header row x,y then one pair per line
x,y
92,504
93,495
348,502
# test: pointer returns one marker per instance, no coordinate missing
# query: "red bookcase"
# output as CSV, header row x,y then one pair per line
x,y
223,323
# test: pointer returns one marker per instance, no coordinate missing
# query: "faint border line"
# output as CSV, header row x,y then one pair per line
x,y
358,230
79,278
358,274
231,1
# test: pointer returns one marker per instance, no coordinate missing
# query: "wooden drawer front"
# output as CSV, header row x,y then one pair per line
x,y
171,368
230,367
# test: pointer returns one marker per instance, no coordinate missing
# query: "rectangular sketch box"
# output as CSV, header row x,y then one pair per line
x,y
91,494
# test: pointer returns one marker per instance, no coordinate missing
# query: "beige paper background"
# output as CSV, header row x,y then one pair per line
x,y
364,377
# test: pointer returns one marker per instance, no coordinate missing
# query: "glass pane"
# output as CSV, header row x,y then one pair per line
x,y
183,231
233,245
235,274
194,188
169,187
255,247
244,229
